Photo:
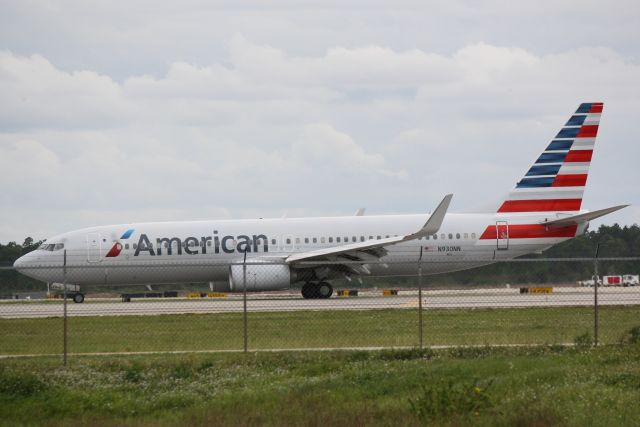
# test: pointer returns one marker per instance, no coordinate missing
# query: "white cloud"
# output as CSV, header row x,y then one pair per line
x,y
261,130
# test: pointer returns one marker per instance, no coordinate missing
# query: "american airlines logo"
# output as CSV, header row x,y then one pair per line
x,y
199,245
117,247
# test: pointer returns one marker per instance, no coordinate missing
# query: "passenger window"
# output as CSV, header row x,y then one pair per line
x,y
370,237
473,235
466,235
362,238
322,240
273,242
126,246
346,239
297,240
443,236
209,243
135,246
450,236
315,240
330,239
457,235
354,239
435,237
338,239
288,241
378,237
306,240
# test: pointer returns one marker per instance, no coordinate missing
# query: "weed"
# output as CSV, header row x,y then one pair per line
x,y
15,385
133,373
205,365
441,400
409,354
632,336
182,371
583,341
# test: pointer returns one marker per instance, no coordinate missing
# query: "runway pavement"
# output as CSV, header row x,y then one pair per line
x,y
448,299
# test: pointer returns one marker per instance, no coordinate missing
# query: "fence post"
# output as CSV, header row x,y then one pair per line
x,y
595,296
244,301
420,324
64,303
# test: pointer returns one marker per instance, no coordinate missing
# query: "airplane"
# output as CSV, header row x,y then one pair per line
x,y
542,210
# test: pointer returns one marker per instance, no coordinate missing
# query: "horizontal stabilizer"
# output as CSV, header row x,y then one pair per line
x,y
577,219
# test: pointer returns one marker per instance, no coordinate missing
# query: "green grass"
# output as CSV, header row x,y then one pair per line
x,y
315,329
542,386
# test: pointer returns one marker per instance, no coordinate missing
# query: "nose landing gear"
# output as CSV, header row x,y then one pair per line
x,y
321,290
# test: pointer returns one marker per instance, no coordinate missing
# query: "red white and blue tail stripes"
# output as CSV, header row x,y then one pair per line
x,y
557,179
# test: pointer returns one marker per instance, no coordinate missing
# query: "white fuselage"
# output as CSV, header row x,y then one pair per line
x,y
202,251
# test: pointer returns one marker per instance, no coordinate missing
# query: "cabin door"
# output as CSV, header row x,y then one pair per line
x,y
94,247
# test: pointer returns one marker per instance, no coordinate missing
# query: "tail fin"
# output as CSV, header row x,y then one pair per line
x,y
557,179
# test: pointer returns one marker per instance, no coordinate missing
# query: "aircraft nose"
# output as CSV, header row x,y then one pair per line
x,y
21,262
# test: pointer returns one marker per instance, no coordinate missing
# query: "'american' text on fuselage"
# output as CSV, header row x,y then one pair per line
x,y
194,245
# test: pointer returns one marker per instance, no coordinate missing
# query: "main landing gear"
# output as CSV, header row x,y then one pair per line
x,y
321,290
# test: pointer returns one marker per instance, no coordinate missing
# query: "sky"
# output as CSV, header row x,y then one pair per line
x,y
119,112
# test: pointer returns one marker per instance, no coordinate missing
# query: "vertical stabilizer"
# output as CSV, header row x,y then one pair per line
x,y
557,179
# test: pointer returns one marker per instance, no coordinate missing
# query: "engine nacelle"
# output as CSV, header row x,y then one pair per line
x,y
268,277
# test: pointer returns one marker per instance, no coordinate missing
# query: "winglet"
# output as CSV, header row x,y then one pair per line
x,y
435,220
360,212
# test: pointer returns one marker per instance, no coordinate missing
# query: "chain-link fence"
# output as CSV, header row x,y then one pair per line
x,y
372,305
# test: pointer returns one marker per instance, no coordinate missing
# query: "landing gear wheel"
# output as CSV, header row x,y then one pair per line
x,y
325,290
308,290
78,298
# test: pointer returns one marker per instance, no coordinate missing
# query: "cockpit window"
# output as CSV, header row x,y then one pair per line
x,y
51,247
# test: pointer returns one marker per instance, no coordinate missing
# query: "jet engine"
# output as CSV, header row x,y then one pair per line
x,y
260,277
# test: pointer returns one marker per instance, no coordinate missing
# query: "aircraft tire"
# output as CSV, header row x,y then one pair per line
x,y
324,290
78,298
308,290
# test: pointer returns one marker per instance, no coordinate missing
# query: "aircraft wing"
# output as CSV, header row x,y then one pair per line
x,y
577,219
367,250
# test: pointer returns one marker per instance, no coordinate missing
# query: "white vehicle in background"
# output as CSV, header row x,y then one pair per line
x,y
613,280
587,283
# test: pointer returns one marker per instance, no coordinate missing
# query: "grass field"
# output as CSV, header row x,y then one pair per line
x,y
542,386
315,329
